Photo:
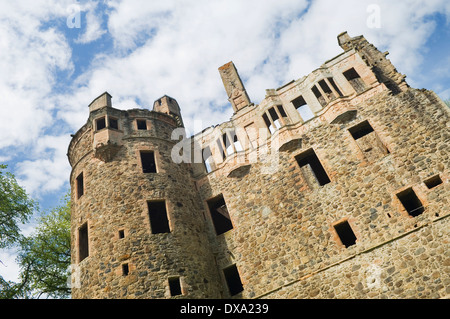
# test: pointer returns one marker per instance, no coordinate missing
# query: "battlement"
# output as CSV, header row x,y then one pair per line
x,y
334,186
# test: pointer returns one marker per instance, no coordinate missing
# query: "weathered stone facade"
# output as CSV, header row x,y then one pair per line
x,y
334,186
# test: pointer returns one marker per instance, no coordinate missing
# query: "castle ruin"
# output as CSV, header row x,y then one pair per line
x,y
334,186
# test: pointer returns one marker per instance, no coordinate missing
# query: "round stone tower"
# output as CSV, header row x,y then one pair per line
x,y
138,225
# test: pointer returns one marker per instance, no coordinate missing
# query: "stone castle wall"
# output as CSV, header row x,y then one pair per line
x,y
313,206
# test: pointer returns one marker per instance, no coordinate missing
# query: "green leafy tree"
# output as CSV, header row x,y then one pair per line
x,y
16,208
44,256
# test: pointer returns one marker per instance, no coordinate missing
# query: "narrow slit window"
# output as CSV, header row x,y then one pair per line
x,y
141,124
227,143
159,222
434,181
345,233
303,108
233,280
281,110
83,242
100,123
219,214
175,286
275,118
221,150
310,163
318,95
80,185
268,124
237,145
411,202
207,159
355,80
125,269
335,87
148,162
121,234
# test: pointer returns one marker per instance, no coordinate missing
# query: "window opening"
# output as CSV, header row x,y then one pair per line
x,y
310,163
319,96
411,202
275,118
345,233
303,108
268,124
148,162
208,160
100,123
125,270
159,223
237,145
227,143
175,286
433,181
355,80
83,242
368,141
233,280
121,234
141,124
221,150
113,123
219,214
80,185
336,88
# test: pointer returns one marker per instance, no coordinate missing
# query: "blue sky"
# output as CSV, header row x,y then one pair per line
x,y
57,56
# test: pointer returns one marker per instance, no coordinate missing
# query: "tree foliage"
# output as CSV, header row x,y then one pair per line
x,y
44,256
15,208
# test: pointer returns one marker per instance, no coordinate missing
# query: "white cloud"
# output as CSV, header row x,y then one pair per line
x,y
93,24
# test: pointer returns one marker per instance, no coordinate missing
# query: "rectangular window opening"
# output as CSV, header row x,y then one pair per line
x,y
148,162
411,202
268,124
361,130
318,95
83,242
141,124
221,150
275,118
227,143
80,185
219,214
233,280
159,222
113,123
100,123
345,233
125,270
368,140
121,234
355,80
303,108
434,181
326,89
208,160
175,286
309,158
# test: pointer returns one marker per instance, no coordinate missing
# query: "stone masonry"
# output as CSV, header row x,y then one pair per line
x,y
335,186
